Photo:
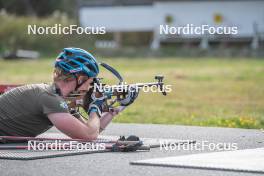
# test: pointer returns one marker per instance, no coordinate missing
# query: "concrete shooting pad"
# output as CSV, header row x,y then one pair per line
x,y
249,160
18,154
117,163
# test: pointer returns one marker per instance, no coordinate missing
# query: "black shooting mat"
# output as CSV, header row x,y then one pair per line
x,y
18,154
31,155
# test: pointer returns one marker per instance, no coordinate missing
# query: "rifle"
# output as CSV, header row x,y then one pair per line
x,y
110,94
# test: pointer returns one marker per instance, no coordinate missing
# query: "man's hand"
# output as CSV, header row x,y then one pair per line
x,y
96,105
130,97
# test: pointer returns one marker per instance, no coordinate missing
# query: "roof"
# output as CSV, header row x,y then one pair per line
x,y
135,2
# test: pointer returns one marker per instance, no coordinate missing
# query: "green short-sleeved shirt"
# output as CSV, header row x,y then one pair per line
x,y
24,110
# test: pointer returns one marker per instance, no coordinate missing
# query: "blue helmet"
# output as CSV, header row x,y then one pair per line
x,y
76,60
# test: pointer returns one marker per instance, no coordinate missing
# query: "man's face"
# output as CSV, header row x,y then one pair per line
x,y
69,85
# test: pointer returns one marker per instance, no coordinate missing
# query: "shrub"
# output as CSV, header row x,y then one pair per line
x,y
13,34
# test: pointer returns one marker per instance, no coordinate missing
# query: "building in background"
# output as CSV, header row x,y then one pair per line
x,y
121,16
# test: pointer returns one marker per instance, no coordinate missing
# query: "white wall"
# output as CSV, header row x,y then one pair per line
x,y
128,18
235,13
148,18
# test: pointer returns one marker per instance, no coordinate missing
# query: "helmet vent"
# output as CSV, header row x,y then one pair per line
x,y
72,64
79,60
68,53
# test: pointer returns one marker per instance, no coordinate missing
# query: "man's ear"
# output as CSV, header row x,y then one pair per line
x,y
80,80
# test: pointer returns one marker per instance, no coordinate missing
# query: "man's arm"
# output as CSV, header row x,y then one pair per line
x,y
108,117
90,129
72,127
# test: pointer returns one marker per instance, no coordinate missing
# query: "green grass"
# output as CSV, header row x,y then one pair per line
x,y
206,92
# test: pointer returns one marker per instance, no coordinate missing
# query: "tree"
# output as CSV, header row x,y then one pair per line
x,y
39,8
